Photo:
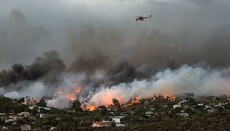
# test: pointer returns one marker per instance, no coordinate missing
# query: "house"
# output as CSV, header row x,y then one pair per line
x,y
42,115
111,112
5,128
25,127
117,120
101,124
9,120
184,115
45,108
24,114
30,101
148,113
31,107
2,116
176,106
52,128
209,108
152,108
179,104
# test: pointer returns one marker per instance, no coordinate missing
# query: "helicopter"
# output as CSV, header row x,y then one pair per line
x,y
141,18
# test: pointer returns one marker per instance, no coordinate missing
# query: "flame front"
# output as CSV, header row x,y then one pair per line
x,y
89,107
71,96
169,97
78,89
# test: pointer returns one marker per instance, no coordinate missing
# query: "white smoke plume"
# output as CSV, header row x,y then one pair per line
x,y
2,91
35,90
186,79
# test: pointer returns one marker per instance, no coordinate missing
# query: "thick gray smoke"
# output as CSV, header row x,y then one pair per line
x,y
180,32
47,67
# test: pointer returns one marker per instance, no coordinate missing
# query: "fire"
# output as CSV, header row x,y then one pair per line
x,y
135,100
90,107
78,90
172,98
71,97
154,98
166,95
70,94
169,97
105,98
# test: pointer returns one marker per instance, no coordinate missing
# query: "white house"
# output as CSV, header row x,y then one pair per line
x,y
42,115
24,114
117,120
184,114
176,106
148,113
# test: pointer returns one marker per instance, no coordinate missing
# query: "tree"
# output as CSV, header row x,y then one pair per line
x,y
113,124
21,100
76,105
116,103
103,110
42,103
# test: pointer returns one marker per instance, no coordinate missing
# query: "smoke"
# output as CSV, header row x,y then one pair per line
x,y
2,91
35,90
47,67
89,65
200,80
21,42
180,32
186,79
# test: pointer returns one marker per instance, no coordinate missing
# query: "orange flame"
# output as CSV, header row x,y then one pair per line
x,y
78,90
154,98
90,107
169,97
71,97
135,100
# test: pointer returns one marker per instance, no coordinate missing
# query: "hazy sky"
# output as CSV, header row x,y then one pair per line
x,y
186,31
